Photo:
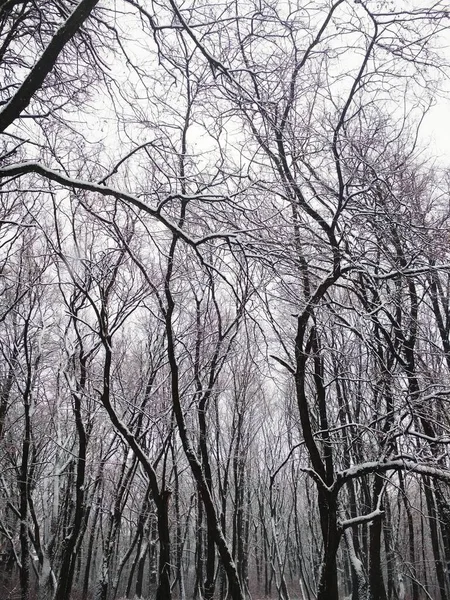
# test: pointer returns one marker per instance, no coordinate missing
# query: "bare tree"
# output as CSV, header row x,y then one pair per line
x,y
225,307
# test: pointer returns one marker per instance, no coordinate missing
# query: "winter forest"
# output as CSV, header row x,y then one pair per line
x,y
225,300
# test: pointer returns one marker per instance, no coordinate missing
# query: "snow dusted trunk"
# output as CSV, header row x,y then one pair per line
x,y
307,348
115,518
47,580
67,570
138,535
162,506
90,551
328,582
24,469
376,580
160,496
358,578
141,559
281,585
24,537
434,535
401,593
179,533
234,586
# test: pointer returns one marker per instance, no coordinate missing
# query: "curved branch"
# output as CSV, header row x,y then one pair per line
x,y
80,184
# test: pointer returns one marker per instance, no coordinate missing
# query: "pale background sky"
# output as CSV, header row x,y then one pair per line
x,y
436,128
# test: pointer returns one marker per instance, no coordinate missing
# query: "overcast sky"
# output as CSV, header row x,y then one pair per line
x,y
436,128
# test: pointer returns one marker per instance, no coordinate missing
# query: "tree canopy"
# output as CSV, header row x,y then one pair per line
x,y
225,301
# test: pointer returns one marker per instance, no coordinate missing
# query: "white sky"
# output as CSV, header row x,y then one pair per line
x,y
435,133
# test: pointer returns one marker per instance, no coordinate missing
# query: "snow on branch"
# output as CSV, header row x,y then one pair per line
x,y
360,519
17,170
390,465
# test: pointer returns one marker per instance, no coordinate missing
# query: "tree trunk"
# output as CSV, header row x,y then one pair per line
x,y
434,534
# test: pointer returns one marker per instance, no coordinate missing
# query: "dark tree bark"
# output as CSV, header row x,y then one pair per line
x,y
35,79
434,534
77,526
376,579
